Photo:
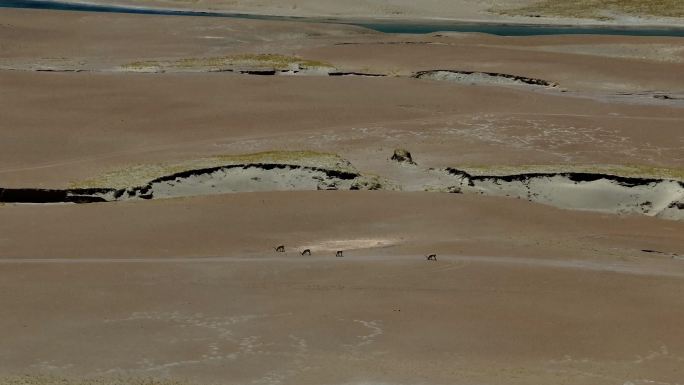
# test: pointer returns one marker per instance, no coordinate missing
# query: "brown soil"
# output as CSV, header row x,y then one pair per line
x,y
191,290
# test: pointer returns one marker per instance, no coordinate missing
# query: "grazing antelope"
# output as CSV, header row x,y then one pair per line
x,y
431,257
339,254
280,249
306,252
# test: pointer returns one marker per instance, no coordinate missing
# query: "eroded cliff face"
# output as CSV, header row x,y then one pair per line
x,y
582,191
659,197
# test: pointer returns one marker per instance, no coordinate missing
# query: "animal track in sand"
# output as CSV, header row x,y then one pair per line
x,y
234,340
222,336
374,330
586,367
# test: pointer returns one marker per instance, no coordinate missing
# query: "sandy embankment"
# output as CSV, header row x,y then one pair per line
x,y
293,171
593,192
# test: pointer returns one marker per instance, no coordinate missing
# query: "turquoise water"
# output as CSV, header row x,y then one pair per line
x,y
385,26
519,29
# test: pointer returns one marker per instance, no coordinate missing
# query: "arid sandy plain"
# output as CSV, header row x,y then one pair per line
x,y
546,175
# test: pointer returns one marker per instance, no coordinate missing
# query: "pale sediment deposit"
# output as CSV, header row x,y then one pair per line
x,y
478,77
581,191
255,177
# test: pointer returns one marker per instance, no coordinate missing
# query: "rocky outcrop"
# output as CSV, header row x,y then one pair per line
x,y
402,156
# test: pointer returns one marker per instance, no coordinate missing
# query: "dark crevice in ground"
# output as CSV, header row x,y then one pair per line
x,y
355,74
392,43
60,70
264,72
344,175
671,255
31,195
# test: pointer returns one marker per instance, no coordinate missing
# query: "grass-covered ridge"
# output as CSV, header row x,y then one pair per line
x,y
255,61
139,175
599,9
629,171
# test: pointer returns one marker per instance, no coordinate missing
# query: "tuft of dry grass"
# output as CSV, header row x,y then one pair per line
x,y
270,61
598,9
